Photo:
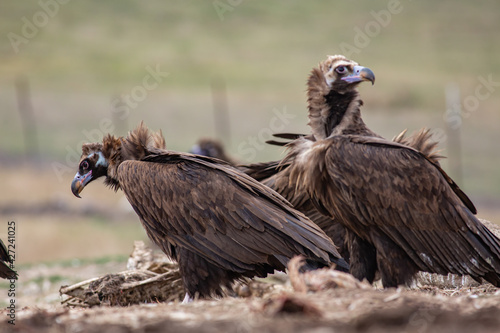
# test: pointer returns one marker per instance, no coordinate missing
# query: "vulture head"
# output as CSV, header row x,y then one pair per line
x,y
332,93
93,164
341,74
103,159
211,148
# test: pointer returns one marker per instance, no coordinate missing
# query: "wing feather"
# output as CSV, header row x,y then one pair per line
x,y
218,213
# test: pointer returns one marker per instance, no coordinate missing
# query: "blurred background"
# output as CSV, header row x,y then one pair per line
x,y
71,71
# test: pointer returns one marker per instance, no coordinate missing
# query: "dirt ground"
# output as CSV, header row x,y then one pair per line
x,y
319,301
340,310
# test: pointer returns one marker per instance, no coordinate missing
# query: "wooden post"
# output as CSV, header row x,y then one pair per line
x,y
25,108
221,114
453,129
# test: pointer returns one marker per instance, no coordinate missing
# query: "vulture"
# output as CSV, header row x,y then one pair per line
x,y
211,148
219,224
401,212
5,271
276,175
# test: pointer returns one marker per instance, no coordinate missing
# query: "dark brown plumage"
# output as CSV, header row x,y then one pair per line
x,y
218,223
5,271
276,175
401,211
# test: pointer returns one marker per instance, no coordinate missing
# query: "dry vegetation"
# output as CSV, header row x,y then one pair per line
x,y
345,310
315,301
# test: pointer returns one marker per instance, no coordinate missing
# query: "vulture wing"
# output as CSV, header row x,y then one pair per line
x,y
382,189
5,271
276,175
288,136
219,214
284,184
4,253
431,157
264,170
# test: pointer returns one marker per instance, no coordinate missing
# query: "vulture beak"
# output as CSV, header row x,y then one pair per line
x,y
79,183
360,74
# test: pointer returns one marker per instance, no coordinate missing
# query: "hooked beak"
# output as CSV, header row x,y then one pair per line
x,y
360,74
79,183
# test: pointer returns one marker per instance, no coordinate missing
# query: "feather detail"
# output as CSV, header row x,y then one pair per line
x,y
317,89
421,141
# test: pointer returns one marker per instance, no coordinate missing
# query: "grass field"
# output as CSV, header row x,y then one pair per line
x,y
89,52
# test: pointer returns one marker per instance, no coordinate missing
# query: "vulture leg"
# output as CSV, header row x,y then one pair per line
x,y
387,254
363,257
199,275
337,232
204,278
187,299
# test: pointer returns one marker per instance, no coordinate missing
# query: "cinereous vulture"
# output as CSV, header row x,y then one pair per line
x,y
219,224
276,175
402,213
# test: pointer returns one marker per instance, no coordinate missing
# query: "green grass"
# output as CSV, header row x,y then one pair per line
x,y
52,279
120,258
92,50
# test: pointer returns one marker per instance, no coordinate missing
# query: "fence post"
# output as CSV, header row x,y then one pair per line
x,y
25,109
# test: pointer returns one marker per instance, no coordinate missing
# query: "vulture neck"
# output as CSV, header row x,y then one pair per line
x,y
332,112
112,150
136,146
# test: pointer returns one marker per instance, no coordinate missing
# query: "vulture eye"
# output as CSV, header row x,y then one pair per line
x,y
84,165
341,69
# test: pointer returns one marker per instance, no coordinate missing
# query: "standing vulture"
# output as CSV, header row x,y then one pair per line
x,y
276,175
402,213
219,224
5,271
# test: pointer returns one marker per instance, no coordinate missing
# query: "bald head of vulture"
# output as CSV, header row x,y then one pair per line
x,y
342,75
90,168
401,212
218,223
332,94
102,159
